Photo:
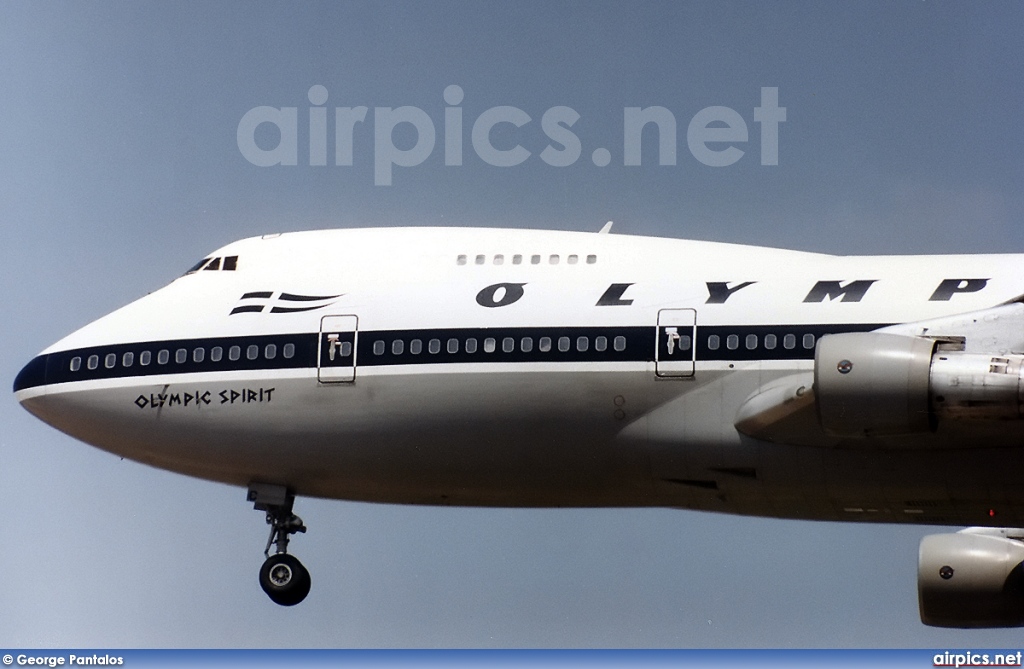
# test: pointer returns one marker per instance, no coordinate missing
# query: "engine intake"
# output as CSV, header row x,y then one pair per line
x,y
873,383
973,578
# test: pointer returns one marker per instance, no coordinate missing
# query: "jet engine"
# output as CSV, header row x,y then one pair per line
x,y
973,578
877,383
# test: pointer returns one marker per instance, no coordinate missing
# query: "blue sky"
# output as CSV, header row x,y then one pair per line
x,y
120,167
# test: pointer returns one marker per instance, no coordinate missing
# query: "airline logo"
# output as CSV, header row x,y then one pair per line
x,y
272,302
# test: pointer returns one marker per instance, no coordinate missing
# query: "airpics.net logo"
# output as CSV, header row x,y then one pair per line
x,y
713,136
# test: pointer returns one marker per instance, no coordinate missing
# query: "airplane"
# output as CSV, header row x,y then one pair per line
x,y
536,368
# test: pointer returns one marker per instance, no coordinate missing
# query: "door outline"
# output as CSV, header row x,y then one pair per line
x,y
675,344
336,349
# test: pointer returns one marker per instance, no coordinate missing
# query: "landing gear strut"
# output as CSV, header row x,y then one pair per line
x,y
282,576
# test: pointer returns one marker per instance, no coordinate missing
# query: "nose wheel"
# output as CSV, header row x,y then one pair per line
x,y
282,576
284,579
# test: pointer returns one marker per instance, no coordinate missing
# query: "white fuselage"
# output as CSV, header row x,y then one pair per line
x,y
523,368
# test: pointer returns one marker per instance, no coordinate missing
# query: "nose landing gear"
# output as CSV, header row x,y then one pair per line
x,y
282,576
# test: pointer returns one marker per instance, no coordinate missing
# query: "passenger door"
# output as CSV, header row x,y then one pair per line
x,y
336,352
674,352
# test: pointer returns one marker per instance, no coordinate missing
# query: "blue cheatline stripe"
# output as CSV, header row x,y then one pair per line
x,y
57,367
719,343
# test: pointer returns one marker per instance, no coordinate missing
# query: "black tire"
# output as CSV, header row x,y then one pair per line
x,y
284,579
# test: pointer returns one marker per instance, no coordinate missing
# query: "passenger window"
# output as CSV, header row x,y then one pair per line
x,y
216,353
489,345
415,347
128,359
499,259
553,259
789,341
535,260
198,354
180,355
563,344
461,260
234,353
346,349
770,341
808,341
453,345
545,344
397,347
471,345
76,363
601,343
480,260
434,346
619,344
145,358
713,342
526,344
591,259
93,362
270,351
751,342
288,351
582,344
684,343
508,344
252,352
517,259
573,259
732,342
110,360
378,347
163,357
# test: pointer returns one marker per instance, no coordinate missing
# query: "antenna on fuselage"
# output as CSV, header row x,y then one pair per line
x,y
606,229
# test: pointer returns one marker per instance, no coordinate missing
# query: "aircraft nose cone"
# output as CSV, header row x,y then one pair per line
x,y
31,375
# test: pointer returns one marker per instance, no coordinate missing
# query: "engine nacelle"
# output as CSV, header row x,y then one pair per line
x,y
873,383
973,578
876,383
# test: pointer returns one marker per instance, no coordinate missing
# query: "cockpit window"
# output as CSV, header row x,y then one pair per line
x,y
195,268
226,264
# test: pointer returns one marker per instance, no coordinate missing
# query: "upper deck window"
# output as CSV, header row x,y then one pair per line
x,y
497,259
